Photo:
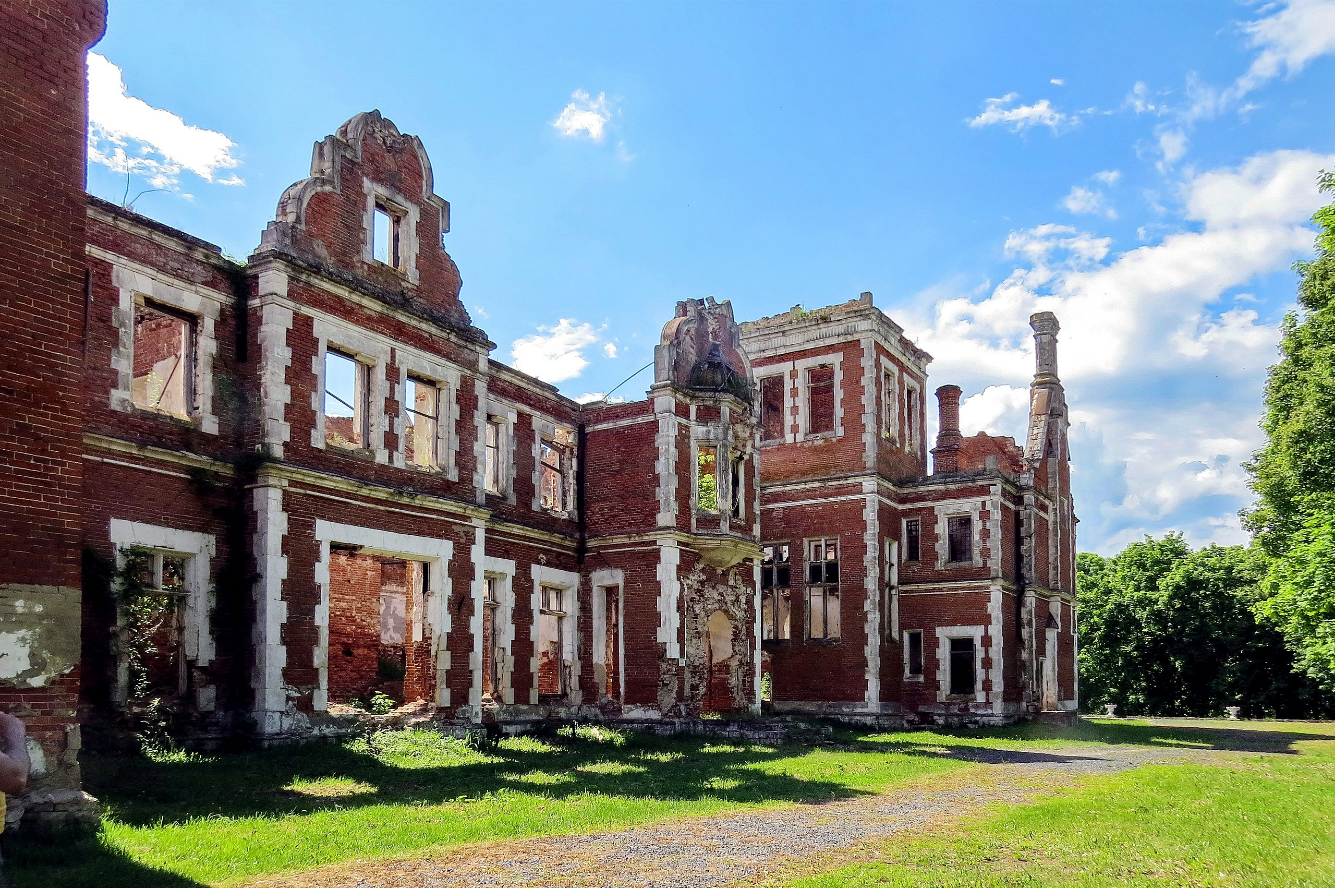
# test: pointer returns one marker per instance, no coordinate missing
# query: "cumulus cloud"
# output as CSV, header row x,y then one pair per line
x,y
1057,81
1004,112
554,354
1288,40
1108,177
584,117
610,349
127,134
1165,380
1087,201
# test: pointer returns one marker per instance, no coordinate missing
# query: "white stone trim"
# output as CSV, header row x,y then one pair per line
x,y
665,466
503,625
757,632
435,552
943,635
669,598
196,632
136,284
871,435
446,377
996,601
366,349
275,358
480,430
408,213
568,582
271,703
958,509
600,581
802,366
871,566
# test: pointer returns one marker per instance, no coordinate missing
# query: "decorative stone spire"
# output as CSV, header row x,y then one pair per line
x,y
1045,346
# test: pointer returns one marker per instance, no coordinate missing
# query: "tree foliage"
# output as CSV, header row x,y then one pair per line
x,y
1294,473
1168,631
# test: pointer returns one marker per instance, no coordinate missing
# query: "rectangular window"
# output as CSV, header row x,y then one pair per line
x,y
706,479
551,477
495,446
385,236
820,400
889,405
421,421
959,531
735,490
490,650
164,360
773,421
912,418
913,540
914,653
551,643
345,400
961,667
775,597
823,588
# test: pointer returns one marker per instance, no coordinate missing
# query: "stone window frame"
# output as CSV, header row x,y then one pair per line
x,y
943,635
136,286
368,350
837,586
891,615
802,366
775,589
904,640
784,373
889,401
503,625
446,377
914,438
508,416
546,429
600,581
408,214
958,509
568,582
197,644
436,553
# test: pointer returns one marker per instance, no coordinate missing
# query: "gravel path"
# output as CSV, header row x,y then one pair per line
x,y
718,851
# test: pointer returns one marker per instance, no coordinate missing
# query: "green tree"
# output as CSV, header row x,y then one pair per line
x,y
1168,631
1294,473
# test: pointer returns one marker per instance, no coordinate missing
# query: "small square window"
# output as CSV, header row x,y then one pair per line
x,y
164,356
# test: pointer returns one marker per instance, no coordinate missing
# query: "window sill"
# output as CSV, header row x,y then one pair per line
x,y
177,418
825,642
916,679
355,451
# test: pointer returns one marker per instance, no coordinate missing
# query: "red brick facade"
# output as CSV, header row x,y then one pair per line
x,y
350,496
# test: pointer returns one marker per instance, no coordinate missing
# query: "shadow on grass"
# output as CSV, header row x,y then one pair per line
x,y
80,860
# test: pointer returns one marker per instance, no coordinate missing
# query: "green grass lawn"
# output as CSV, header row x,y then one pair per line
x,y
1261,820
184,821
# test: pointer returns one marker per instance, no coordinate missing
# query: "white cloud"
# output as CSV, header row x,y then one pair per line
x,y
1141,101
481,312
554,354
1172,146
1108,177
1057,81
589,397
610,349
584,116
1087,201
1165,382
1288,40
128,134
1003,111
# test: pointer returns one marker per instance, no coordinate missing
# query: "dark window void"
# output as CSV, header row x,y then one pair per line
x,y
960,531
961,666
912,540
772,420
915,653
823,589
820,400
775,597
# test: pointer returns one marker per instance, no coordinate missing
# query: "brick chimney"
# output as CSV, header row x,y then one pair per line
x,y
946,453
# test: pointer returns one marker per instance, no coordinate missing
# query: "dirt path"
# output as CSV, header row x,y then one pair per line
x,y
718,851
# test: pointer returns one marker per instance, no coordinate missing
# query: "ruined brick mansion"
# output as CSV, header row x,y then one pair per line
x,y
313,465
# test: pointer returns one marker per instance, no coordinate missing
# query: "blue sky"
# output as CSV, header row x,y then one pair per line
x,y
1145,170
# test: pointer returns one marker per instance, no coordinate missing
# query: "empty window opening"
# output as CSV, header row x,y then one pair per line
x,y
913,540
158,666
612,642
912,418
421,417
345,400
889,406
385,226
551,643
552,477
913,639
823,588
492,654
775,596
962,656
735,488
820,400
495,448
706,480
773,423
376,645
959,531
164,346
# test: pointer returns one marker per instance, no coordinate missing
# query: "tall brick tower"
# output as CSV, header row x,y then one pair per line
x,y
44,109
